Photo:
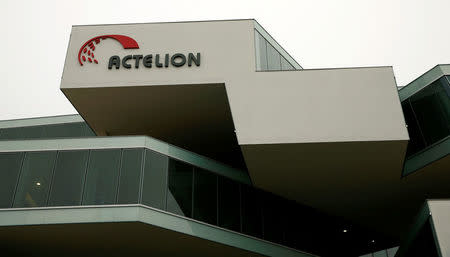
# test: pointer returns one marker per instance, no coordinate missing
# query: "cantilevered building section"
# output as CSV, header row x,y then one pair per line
x,y
209,139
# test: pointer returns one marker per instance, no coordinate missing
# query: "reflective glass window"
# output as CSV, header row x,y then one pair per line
x,y
155,179
251,212
416,141
273,58
23,133
75,129
34,182
205,196
10,164
130,173
179,197
68,179
102,177
10,133
229,204
261,54
431,106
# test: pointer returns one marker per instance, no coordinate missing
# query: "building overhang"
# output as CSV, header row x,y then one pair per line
x,y
196,117
131,230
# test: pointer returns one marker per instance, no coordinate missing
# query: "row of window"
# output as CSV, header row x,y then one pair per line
x,y
427,114
64,130
128,176
267,57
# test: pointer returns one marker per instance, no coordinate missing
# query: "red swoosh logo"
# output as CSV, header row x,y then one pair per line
x,y
86,52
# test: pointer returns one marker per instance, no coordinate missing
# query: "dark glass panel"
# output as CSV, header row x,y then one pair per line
x,y
431,106
11,133
130,174
34,182
68,179
205,196
23,133
65,130
102,176
273,58
155,179
416,141
262,46
229,204
179,198
251,211
10,164
273,217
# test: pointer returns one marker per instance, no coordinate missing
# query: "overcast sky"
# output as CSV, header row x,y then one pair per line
x,y
412,36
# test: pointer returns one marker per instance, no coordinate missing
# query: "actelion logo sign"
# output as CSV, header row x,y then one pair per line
x,y
86,55
86,52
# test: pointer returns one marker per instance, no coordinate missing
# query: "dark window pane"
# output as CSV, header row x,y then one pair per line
x,y
416,141
285,65
179,198
273,58
262,47
101,181
229,204
205,196
155,180
130,174
32,132
10,133
34,183
251,212
432,108
23,133
68,179
10,164
75,129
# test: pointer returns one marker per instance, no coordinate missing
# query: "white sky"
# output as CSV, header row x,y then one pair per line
x,y
412,36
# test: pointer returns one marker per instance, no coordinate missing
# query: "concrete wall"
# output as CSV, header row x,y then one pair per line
x,y
268,107
440,216
226,48
329,105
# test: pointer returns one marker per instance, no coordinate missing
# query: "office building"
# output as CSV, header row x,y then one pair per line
x,y
209,139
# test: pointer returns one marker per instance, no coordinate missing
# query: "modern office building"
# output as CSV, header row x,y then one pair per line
x,y
209,139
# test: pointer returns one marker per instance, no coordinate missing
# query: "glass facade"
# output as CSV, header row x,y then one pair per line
x,y
136,175
427,114
267,57
63,130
